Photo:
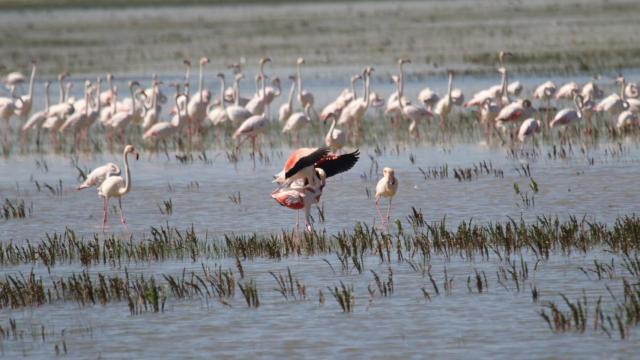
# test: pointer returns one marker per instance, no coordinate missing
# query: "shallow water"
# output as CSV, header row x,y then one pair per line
x,y
599,183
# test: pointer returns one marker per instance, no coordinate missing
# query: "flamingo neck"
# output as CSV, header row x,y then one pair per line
x,y
299,81
353,87
133,102
293,89
449,87
576,100
222,86
333,126
61,88
401,81
46,98
127,176
200,81
237,92
367,98
98,106
32,80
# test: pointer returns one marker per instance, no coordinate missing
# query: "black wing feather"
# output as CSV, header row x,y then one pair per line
x,y
340,164
308,160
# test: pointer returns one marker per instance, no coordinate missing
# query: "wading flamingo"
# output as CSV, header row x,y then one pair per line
x,y
116,186
286,109
335,138
386,187
304,97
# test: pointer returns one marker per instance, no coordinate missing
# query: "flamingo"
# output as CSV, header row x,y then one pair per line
x,y
296,122
345,97
26,101
148,92
303,175
197,105
415,114
515,88
252,127
218,115
258,103
545,92
614,103
568,116
444,105
353,114
591,90
7,109
58,113
116,186
304,97
515,111
626,119
335,138
285,110
566,91
488,113
386,187
81,113
238,114
165,129
36,120
529,127
121,119
98,175
152,114
106,97
393,102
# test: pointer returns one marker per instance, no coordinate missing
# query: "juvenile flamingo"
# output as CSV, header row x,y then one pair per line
x,y
99,174
386,187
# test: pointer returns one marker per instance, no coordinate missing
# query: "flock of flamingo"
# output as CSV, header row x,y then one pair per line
x,y
499,109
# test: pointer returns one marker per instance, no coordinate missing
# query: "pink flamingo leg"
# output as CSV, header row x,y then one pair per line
x,y
389,211
122,219
104,212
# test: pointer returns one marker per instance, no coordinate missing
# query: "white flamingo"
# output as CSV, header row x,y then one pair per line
x,y
287,108
116,186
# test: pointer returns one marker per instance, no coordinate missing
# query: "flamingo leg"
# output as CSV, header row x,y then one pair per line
x,y
253,150
389,211
297,220
166,150
307,218
105,205
377,203
122,219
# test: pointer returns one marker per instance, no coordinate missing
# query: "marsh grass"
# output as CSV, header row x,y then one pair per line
x,y
15,209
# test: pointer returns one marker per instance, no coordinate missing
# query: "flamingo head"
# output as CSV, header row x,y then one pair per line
x,y
402,61
204,60
220,76
129,149
526,103
265,60
132,84
356,77
389,173
300,61
46,84
293,77
187,63
109,76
